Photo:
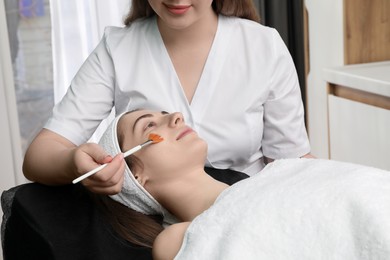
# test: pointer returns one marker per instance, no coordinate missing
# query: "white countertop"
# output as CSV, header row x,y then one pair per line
x,y
370,77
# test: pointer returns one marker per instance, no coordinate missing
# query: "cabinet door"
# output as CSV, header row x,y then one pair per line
x,y
359,133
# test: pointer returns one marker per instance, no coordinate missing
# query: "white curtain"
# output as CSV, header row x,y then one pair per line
x,y
77,27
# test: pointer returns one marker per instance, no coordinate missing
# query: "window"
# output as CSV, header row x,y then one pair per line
x,y
49,40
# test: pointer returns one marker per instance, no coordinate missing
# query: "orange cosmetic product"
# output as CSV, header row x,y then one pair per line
x,y
155,138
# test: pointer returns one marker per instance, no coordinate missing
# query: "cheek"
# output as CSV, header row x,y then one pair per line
x,y
154,4
173,155
162,157
155,155
204,4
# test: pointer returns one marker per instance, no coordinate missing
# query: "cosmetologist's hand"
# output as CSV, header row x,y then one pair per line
x,y
107,181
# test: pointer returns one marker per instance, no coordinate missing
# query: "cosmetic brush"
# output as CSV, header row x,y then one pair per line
x,y
152,139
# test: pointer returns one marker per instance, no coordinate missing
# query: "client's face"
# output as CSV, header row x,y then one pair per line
x,y
180,149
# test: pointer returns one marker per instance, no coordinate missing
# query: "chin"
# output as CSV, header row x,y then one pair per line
x,y
179,23
201,145
202,150
196,153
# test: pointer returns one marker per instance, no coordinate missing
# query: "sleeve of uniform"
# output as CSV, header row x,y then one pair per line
x,y
89,98
284,127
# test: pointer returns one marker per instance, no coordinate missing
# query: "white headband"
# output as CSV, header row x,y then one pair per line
x,y
133,194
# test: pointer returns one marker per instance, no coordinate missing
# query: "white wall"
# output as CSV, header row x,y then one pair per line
x,y
7,151
7,179
10,152
326,50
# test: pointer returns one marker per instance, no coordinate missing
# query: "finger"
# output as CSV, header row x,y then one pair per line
x,y
107,159
111,169
89,156
98,153
109,176
114,178
107,190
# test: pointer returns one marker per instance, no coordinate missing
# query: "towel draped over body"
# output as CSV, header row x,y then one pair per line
x,y
297,209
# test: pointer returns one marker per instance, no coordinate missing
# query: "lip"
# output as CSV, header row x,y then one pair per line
x,y
177,9
186,131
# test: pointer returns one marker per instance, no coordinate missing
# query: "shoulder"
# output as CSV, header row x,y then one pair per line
x,y
250,33
246,25
136,29
168,242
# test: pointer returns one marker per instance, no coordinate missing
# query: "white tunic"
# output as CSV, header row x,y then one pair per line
x,y
247,103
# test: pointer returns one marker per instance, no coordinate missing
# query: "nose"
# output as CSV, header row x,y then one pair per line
x,y
176,119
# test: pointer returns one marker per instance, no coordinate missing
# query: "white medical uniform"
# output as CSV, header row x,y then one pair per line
x,y
247,103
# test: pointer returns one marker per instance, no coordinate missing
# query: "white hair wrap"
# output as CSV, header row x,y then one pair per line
x,y
133,194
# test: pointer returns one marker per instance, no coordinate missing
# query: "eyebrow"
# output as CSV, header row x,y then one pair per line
x,y
146,116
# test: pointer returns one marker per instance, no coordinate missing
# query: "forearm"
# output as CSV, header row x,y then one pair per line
x,y
49,159
309,156
269,160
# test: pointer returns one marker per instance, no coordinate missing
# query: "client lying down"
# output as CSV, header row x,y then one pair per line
x,y
293,209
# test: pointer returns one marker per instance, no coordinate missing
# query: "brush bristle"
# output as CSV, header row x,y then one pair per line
x,y
155,138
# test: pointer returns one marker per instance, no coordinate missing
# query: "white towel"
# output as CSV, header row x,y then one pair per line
x,y
133,194
297,209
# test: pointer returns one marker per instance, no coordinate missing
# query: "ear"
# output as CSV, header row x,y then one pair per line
x,y
141,178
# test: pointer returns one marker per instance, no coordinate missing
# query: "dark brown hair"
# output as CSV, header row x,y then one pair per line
x,y
135,227
239,8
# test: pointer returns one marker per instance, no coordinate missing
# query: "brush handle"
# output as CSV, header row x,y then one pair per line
x,y
127,153
86,175
132,150
137,148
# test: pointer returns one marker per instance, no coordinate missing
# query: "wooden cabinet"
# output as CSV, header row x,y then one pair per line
x,y
339,33
366,31
359,113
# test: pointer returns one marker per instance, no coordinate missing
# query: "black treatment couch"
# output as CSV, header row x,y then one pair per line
x,y
43,222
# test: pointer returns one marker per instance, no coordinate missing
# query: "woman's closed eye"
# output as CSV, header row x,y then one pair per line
x,y
149,125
